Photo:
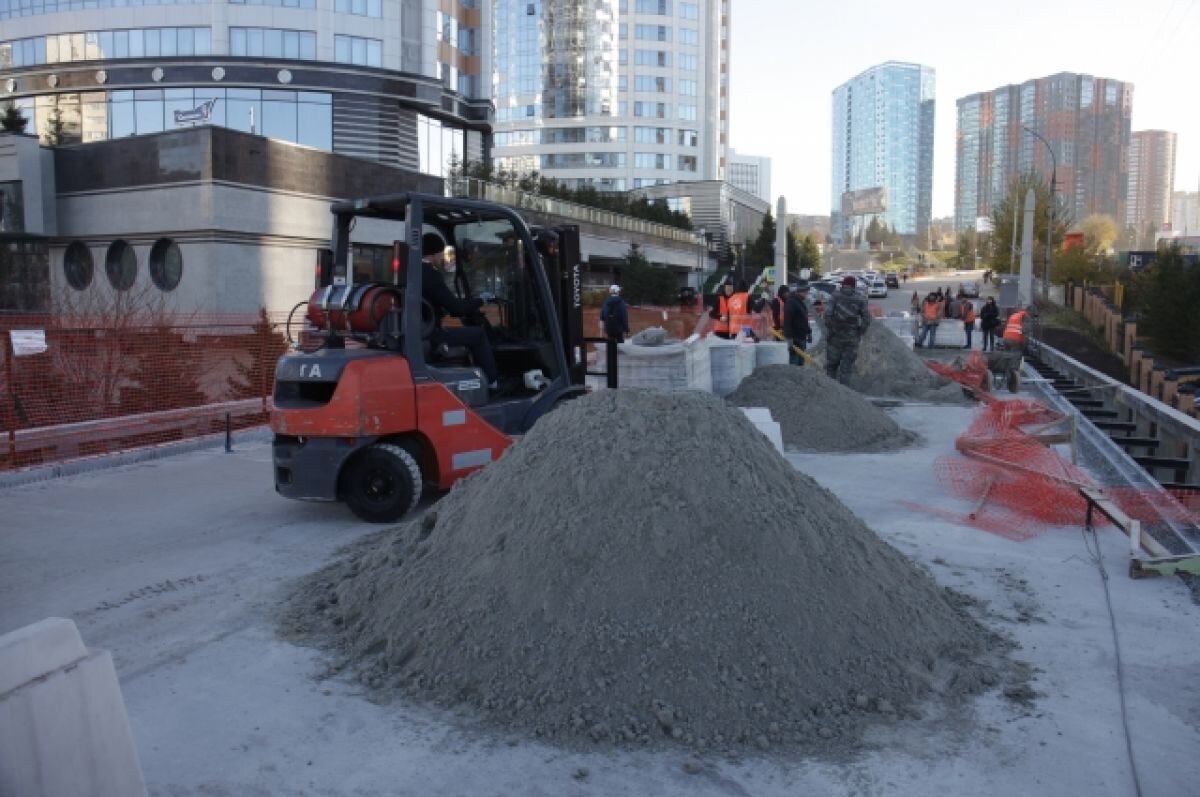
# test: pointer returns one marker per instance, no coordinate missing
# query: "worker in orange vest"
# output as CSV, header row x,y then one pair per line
x,y
968,318
777,307
720,310
931,316
739,311
1014,330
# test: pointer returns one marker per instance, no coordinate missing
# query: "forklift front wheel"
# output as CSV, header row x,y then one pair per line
x,y
382,484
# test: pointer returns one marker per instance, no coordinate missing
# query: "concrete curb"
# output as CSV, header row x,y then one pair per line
x,y
43,473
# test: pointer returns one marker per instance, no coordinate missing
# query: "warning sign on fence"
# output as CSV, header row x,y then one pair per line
x,y
26,342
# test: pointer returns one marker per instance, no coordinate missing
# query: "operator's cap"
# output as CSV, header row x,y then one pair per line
x,y
614,289
432,244
849,281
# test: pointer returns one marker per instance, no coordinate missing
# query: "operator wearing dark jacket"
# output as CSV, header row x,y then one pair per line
x,y
435,291
795,321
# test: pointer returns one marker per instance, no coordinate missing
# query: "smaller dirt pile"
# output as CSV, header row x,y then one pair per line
x,y
816,413
886,367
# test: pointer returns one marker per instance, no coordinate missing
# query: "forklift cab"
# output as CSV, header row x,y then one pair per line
x,y
489,253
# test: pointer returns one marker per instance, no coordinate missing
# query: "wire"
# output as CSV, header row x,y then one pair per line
x,y
1097,558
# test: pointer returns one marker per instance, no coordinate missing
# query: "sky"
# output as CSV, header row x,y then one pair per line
x,y
788,56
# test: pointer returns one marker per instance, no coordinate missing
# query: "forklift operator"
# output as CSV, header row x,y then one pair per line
x,y
435,291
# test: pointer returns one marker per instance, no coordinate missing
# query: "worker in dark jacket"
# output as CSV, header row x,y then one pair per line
x,y
777,306
989,321
795,321
435,291
614,316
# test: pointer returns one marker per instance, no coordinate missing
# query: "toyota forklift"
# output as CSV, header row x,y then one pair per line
x,y
369,409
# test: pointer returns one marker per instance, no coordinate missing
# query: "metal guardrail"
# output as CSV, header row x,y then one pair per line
x,y
474,188
1121,470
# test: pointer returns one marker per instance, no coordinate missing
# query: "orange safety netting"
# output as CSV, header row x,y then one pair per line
x,y
973,374
80,385
1019,486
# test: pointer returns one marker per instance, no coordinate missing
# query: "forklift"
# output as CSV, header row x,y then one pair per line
x,y
370,409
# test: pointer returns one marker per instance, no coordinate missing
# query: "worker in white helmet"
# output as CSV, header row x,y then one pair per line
x,y
614,316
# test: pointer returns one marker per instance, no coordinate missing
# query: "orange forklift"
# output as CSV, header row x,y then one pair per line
x,y
370,409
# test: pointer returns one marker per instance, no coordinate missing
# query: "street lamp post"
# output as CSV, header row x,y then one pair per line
x,y
701,247
1050,226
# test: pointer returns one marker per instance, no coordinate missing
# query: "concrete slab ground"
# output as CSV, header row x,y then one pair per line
x,y
178,565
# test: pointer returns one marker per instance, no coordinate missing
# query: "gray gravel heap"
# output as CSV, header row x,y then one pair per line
x,y
886,367
816,413
644,569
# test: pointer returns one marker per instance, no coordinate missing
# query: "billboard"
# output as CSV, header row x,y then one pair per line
x,y
865,202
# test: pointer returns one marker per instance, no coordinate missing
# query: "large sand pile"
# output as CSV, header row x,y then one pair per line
x,y
816,413
644,568
887,367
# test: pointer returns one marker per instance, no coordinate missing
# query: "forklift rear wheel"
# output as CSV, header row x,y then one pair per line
x,y
383,484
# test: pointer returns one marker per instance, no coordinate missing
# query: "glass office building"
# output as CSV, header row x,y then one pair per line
x,y
1085,119
883,138
614,94
393,81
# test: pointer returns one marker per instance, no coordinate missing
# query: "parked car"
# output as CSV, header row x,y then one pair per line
x,y
877,290
969,289
822,286
891,280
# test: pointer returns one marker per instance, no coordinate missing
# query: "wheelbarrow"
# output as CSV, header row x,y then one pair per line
x,y
1005,368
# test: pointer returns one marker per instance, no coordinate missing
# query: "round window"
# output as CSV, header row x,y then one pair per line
x,y
121,265
166,264
78,266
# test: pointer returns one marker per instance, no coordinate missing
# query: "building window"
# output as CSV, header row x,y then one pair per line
x,y
358,51
689,11
651,160
653,33
654,83
687,113
687,88
362,8
689,138
105,45
651,135
688,36
688,62
120,264
273,43
276,3
657,110
661,7
166,264
77,265
688,163
652,58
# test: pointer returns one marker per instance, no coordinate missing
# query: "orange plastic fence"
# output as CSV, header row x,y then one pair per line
x,y
109,383
1020,487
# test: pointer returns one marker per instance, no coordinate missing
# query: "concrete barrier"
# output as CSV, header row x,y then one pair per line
x,y
63,727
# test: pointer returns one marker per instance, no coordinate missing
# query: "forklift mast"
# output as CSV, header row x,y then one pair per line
x,y
565,275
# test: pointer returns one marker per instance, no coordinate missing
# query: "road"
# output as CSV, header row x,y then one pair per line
x,y
178,566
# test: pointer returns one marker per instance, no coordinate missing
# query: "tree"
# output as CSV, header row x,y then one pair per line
x,y
1010,213
1167,296
760,253
1077,265
793,252
875,232
810,255
254,376
13,120
55,128
1099,234
642,283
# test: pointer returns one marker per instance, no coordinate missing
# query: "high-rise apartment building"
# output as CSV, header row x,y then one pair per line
x,y
1185,212
1151,181
615,94
1085,119
883,139
395,81
751,173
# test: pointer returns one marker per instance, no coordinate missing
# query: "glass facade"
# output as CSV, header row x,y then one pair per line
x,y
302,117
357,50
10,9
106,45
883,137
438,146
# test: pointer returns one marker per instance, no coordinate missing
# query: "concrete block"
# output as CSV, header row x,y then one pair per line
x,y
63,726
